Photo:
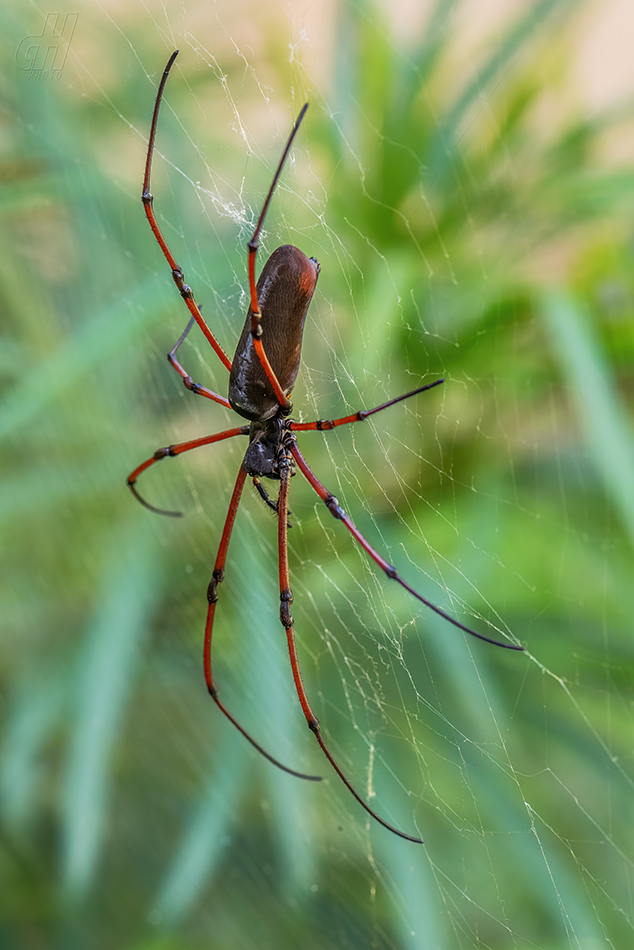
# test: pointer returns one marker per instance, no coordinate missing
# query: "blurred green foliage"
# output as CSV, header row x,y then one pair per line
x,y
459,235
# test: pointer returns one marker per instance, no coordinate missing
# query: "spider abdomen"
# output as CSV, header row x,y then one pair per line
x,y
285,289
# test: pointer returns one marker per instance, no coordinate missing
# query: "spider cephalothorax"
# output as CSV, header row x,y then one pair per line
x,y
269,443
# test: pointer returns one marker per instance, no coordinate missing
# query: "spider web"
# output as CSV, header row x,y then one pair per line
x,y
449,248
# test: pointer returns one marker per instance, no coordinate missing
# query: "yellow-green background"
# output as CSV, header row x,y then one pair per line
x,y
471,206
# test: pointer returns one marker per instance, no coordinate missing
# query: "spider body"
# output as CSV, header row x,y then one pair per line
x,y
262,375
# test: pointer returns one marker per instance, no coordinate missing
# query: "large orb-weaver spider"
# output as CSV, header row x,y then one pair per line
x,y
262,375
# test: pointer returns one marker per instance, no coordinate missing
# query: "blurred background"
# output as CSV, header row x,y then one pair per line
x,y
464,176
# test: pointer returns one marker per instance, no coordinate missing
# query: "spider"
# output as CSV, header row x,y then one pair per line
x,y
262,375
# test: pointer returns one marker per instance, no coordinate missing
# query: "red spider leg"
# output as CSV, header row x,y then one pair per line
x,y
286,599
337,511
254,243
193,387
212,596
169,452
148,200
323,425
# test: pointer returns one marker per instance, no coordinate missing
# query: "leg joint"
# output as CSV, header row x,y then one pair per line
x,y
212,591
193,387
333,506
286,599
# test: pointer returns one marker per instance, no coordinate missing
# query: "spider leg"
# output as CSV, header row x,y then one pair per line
x,y
266,498
337,511
212,596
323,425
169,452
286,599
193,387
177,272
264,495
253,245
